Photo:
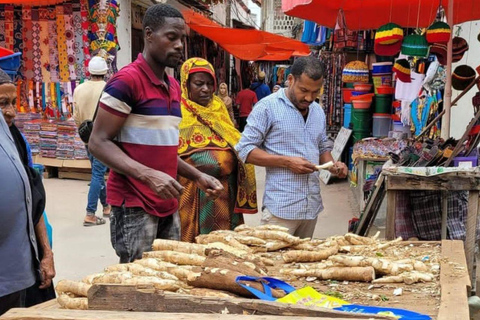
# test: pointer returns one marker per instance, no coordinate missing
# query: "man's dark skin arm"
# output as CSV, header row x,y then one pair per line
x,y
106,128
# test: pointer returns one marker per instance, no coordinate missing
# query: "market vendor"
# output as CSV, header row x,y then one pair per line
x,y
136,135
23,235
286,133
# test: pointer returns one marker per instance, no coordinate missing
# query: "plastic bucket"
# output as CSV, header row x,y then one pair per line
x,y
381,80
361,120
360,135
347,115
399,127
382,68
381,124
11,62
383,103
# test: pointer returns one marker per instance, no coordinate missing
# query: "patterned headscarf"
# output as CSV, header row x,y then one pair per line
x,y
210,127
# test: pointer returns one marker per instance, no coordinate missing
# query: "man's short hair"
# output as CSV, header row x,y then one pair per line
x,y
155,16
311,66
4,77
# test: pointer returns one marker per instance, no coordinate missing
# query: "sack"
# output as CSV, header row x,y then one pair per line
x,y
85,130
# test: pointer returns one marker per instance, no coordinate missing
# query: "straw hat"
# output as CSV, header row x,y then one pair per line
x,y
462,77
355,71
438,32
415,45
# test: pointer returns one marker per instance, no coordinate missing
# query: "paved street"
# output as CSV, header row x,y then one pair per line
x,y
80,250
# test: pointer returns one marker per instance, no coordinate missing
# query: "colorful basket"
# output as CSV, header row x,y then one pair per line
x,y
355,71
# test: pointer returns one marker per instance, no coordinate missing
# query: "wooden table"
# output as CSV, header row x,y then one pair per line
x,y
458,181
454,285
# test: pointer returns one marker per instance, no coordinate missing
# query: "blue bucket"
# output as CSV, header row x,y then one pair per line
x,y
347,115
11,62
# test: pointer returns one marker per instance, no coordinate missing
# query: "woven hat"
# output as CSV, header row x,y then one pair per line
x,y
459,47
387,50
415,45
355,71
462,77
438,32
440,50
402,69
389,33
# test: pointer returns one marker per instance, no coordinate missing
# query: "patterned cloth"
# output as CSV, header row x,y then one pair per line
x,y
70,36
62,44
52,45
419,214
9,32
2,25
18,41
207,142
276,126
210,127
36,51
78,44
28,42
85,28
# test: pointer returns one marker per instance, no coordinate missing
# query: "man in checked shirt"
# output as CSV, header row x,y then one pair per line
x,y
286,133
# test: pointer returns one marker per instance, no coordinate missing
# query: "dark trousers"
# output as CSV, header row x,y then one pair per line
x,y
12,300
242,122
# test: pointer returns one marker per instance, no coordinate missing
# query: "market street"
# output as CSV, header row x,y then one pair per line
x,y
80,251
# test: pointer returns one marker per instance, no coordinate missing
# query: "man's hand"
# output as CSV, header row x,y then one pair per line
x,y
300,165
47,270
211,186
163,185
339,169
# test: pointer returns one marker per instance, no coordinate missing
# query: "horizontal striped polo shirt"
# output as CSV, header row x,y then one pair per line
x,y
149,135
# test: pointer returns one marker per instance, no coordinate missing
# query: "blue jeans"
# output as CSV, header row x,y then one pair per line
x,y
98,189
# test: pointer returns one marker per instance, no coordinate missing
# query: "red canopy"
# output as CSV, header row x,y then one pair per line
x,y
31,2
246,44
371,14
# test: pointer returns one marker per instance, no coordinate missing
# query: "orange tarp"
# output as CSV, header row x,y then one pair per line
x,y
31,2
246,44
371,14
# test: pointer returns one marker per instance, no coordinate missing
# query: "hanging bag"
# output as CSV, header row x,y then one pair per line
x,y
86,127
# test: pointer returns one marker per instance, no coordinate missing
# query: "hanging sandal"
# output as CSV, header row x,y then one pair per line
x,y
98,221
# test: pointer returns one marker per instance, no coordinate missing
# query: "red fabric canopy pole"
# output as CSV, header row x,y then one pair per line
x,y
371,14
31,2
246,44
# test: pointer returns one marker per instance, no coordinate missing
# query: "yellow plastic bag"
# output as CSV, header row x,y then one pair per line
x,y
308,296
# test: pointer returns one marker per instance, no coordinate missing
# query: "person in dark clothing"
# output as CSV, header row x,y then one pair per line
x,y
245,101
260,88
43,289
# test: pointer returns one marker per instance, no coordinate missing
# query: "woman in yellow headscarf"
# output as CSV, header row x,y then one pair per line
x,y
207,141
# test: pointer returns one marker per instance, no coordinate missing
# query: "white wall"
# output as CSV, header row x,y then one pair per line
x,y
463,112
124,32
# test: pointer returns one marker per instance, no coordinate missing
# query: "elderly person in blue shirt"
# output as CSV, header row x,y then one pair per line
x,y
286,133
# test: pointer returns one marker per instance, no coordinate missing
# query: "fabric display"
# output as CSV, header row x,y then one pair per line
x,y
314,34
280,74
377,148
331,99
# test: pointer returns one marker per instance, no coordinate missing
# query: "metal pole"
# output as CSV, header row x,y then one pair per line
x,y
447,100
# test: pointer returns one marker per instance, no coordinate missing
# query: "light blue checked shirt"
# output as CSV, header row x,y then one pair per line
x,y
276,126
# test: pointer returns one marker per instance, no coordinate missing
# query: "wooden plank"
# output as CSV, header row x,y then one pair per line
x,y
454,282
74,175
145,298
373,205
391,213
435,183
81,164
471,227
32,314
49,305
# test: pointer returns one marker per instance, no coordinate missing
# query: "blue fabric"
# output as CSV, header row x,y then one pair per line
x,y
17,235
97,189
261,90
276,126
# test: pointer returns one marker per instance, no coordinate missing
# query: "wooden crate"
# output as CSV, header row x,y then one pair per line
x,y
118,302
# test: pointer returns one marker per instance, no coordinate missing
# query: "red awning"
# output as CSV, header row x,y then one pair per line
x,y
31,2
246,44
371,14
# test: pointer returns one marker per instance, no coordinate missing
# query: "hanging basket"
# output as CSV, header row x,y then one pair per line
x,y
355,71
462,77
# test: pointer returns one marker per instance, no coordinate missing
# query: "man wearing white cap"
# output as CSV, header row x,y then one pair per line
x,y
85,99
260,88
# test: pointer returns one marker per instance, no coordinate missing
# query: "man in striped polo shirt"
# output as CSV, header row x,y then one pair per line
x,y
136,135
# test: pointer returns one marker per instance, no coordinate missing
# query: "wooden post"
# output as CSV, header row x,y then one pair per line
x,y
391,213
471,227
444,214
447,100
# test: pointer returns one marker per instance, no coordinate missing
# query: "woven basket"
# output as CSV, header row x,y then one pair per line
x,y
462,77
355,71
